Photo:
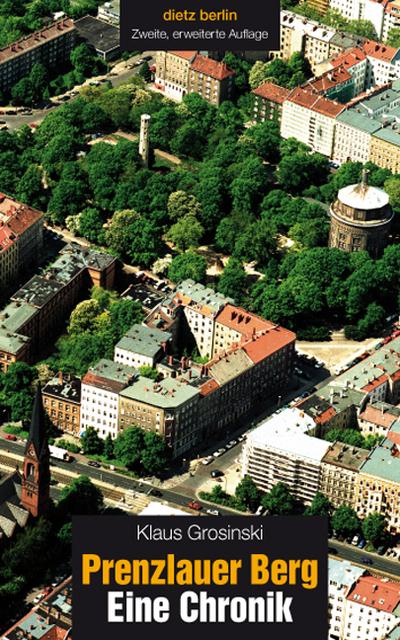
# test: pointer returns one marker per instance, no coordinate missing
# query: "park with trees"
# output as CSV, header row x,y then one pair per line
x,y
244,192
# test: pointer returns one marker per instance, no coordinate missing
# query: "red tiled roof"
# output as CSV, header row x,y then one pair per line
x,y
374,415
348,59
208,387
325,416
375,383
394,437
263,346
379,50
213,68
7,238
186,55
272,92
242,321
37,38
308,99
370,591
329,79
102,383
15,219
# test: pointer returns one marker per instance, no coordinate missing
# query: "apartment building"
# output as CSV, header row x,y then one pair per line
x,y
234,325
212,80
168,408
378,486
342,576
355,62
339,470
36,312
372,608
200,307
110,12
21,239
172,72
362,127
62,402
374,380
196,402
142,346
101,387
385,145
299,34
384,63
377,418
51,46
310,118
353,136
268,102
280,450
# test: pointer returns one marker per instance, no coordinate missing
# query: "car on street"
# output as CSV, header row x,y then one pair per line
x,y
146,58
220,452
38,598
231,444
94,463
11,436
212,512
207,460
367,561
194,505
216,473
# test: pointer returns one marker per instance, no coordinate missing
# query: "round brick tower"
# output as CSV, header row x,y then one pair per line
x,y
361,217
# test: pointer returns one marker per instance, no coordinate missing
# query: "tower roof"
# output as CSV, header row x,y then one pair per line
x,y
363,195
37,430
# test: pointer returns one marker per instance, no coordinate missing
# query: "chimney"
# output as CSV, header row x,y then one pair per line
x,y
60,378
164,346
171,360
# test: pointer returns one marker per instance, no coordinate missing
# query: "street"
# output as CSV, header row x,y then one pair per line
x,y
15,122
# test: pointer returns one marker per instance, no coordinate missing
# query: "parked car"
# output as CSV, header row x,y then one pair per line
x,y
242,437
216,473
367,561
231,444
355,540
220,452
194,505
207,460
380,550
94,463
362,543
260,510
332,551
212,512
11,436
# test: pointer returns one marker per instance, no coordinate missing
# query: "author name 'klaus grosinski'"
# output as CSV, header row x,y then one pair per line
x,y
151,533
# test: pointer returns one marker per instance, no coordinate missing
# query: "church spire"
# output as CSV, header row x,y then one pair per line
x,y
37,430
36,471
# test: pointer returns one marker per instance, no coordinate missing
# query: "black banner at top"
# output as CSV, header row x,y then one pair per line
x,y
211,25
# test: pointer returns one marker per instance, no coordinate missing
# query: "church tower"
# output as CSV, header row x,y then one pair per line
x,y
35,494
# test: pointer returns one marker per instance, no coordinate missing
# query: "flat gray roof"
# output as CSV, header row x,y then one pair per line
x,y
166,394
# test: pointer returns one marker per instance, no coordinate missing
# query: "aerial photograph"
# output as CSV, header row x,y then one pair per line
x,y
200,293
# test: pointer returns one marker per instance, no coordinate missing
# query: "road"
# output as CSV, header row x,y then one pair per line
x,y
116,482
15,122
355,555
